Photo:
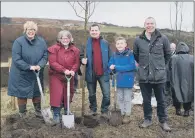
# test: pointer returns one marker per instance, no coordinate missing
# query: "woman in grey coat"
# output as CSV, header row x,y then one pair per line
x,y
29,54
181,67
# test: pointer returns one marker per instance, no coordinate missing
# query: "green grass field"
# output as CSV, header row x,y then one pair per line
x,y
122,30
132,31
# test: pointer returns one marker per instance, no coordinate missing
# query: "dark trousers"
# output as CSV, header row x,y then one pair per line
x,y
146,90
186,106
168,94
177,105
105,87
57,110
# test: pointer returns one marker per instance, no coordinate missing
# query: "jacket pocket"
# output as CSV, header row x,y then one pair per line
x,y
158,48
142,73
160,74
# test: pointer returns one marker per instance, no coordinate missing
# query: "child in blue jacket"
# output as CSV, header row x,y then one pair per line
x,y
123,64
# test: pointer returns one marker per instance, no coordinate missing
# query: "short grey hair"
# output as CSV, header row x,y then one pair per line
x,y
64,33
150,18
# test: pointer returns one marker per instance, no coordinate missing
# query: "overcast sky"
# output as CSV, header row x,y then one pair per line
x,y
119,13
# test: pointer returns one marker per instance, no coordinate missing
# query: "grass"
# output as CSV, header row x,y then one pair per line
x,y
181,127
122,30
132,31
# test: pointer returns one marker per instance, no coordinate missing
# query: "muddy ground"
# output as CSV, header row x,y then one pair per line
x,y
31,127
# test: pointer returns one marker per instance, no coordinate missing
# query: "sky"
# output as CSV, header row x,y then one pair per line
x,y
119,13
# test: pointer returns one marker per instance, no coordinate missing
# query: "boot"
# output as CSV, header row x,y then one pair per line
x,y
146,124
37,107
56,118
22,110
56,115
126,119
186,113
105,115
91,113
178,112
165,127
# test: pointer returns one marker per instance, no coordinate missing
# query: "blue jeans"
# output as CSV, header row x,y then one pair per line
x,y
124,100
146,90
105,87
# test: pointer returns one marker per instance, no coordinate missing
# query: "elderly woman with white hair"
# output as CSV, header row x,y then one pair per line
x,y
29,54
63,60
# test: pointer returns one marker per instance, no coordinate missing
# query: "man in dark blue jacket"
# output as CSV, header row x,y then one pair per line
x,y
152,53
98,54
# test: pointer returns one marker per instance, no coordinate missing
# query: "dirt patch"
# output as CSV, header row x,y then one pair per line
x,y
96,127
32,127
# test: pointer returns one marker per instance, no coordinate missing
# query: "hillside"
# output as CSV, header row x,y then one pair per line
x,y
49,28
11,28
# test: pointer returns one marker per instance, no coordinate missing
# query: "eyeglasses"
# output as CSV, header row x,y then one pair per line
x,y
65,39
30,29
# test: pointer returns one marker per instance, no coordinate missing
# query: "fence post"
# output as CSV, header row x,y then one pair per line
x,y
13,103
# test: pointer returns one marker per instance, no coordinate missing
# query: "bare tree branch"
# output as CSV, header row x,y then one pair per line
x,y
181,18
94,6
74,8
171,22
81,5
89,9
176,15
90,2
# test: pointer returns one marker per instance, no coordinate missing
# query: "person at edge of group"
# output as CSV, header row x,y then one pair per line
x,y
122,63
168,93
98,54
63,60
182,79
152,53
29,54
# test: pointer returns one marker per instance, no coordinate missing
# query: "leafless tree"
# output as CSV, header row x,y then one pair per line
x,y
176,30
88,7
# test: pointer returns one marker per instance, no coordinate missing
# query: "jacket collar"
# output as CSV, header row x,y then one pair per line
x,y
154,36
124,52
90,38
31,41
70,47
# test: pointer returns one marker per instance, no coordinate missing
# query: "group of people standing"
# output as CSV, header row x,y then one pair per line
x,y
151,51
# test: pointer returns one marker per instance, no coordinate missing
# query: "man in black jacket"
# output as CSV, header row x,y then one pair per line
x,y
152,53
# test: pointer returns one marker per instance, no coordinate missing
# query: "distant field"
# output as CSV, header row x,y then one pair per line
x,y
119,30
122,30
